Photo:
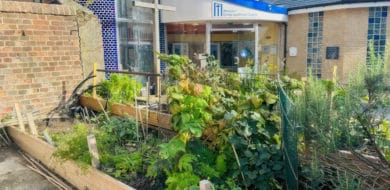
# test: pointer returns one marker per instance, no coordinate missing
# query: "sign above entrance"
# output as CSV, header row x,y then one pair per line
x,y
223,10
226,10
201,11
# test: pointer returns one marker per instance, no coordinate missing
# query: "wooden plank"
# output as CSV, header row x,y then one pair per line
x,y
92,103
69,170
20,118
164,120
93,150
123,110
156,118
153,99
31,124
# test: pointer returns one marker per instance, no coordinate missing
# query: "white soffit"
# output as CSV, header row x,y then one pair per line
x,y
338,7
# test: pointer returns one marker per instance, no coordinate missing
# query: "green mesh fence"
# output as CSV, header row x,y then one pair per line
x,y
289,139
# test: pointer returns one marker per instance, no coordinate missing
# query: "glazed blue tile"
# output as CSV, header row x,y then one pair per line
x,y
105,11
377,29
314,39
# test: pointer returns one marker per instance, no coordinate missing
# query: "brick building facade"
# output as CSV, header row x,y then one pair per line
x,y
317,30
39,55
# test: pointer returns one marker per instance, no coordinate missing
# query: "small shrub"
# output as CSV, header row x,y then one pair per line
x,y
120,89
74,146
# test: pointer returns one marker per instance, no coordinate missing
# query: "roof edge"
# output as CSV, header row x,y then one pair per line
x,y
337,6
342,2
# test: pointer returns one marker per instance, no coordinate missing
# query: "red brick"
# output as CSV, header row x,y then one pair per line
x,y
40,22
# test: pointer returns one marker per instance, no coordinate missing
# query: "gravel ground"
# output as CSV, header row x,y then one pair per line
x,y
14,175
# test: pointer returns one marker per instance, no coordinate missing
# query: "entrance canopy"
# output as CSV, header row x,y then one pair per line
x,y
194,11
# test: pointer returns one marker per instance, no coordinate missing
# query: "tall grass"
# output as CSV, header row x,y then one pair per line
x,y
348,116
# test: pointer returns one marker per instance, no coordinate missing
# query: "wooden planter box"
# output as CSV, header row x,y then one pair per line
x,y
92,178
155,118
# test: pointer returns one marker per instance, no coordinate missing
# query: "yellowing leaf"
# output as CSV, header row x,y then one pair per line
x,y
185,136
174,109
256,101
184,85
270,98
198,89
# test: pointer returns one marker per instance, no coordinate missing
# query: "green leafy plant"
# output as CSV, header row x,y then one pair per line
x,y
220,119
74,146
120,89
122,129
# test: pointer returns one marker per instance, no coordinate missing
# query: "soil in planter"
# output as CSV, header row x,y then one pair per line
x,y
60,125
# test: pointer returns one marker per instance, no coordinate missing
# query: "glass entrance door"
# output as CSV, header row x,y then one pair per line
x,y
233,45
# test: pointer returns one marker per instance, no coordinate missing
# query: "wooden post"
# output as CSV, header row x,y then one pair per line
x,y
31,123
93,150
205,185
19,116
94,80
335,74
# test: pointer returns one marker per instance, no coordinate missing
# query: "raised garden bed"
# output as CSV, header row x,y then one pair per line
x,y
90,178
154,118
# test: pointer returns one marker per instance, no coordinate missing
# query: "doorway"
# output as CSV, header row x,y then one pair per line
x,y
233,45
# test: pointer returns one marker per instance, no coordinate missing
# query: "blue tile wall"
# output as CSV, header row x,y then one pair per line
x,y
162,43
314,43
377,24
105,10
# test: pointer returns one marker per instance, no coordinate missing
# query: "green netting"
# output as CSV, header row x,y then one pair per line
x,y
289,138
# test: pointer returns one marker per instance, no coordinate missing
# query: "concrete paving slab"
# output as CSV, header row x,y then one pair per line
x,y
14,175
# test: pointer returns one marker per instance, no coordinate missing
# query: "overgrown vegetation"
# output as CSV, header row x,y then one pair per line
x,y
228,129
232,120
122,155
352,116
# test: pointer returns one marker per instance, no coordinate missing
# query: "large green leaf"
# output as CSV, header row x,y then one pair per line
x,y
185,163
172,148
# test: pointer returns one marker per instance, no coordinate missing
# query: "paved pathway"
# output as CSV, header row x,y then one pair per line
x,y
14,175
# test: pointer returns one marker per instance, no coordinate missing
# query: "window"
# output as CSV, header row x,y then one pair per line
x,y
186,39
135,28
314,43
377,20
180,49
215,50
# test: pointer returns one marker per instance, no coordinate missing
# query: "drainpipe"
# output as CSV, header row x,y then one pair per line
x,y
285,49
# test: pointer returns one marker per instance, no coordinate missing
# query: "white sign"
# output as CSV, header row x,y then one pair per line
x,y
293,51
221,9
201,11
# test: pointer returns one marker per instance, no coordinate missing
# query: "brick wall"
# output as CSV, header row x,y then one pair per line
x,y
348,30
39,55
297,37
